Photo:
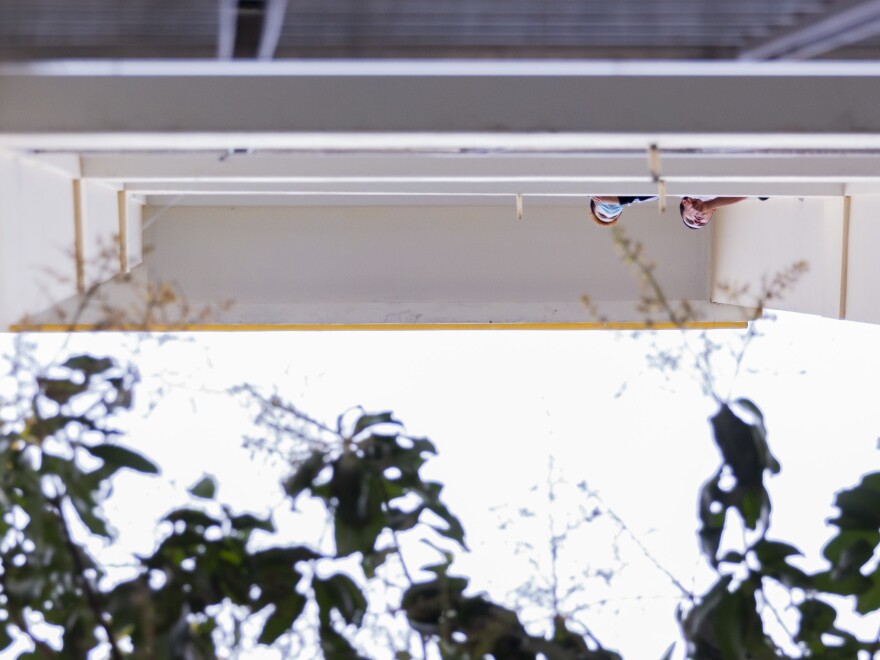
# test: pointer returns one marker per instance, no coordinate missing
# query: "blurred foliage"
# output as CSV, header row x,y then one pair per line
x,y
728,621
60,454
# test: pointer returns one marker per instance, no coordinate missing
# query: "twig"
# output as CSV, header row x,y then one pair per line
x,y
554,542
91,596
633,256
777,616
404,567
675,581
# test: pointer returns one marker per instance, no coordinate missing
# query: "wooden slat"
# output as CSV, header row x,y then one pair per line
x,y
844,261
123,231
78,236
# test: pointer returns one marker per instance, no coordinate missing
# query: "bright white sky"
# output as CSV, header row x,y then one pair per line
x,y
499,404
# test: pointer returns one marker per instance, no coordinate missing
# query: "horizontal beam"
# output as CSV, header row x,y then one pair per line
x,y
262,171
623,326
617,315
430,142
436,68
536,110
571,195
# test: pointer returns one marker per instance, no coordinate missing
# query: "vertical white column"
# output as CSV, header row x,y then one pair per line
x,y
862,292
100,231
37,237
133,233
754,241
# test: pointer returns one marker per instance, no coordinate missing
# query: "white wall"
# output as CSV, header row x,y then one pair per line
x,y
753,241
863,273
100,223
134,232
449,263
37,265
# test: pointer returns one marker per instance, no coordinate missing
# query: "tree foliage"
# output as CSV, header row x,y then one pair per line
x,y
60,454
727,621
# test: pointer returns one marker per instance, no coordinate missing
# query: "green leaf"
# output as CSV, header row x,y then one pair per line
x,y
61,390
835,548
860,506
42,428
88,515
367,420
284,557
192,518
759,435
771,553
373,560
88,364
340,592
453,529
848,552
731,557
792,577
305,475
79,634
282,619
399,520
870,600
817,619
712,522
359,497
726,625
354,490
425,602
247,523
423,445
124,394
752,408
386,449
568,641
754,505
852,558
737,445
844,585
120,457
201,640
206,488
5,638
63,467
361,538
698,626
335,646
729,619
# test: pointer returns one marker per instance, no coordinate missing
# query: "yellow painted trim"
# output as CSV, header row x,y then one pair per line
x,y
123,231
323,327
78,236
844,257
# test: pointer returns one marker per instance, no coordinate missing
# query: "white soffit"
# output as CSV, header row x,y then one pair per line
x,y
400,105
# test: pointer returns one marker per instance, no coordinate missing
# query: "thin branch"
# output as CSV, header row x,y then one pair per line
x,y
766,602
554,542
403,566
617,519
91,595
632,254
